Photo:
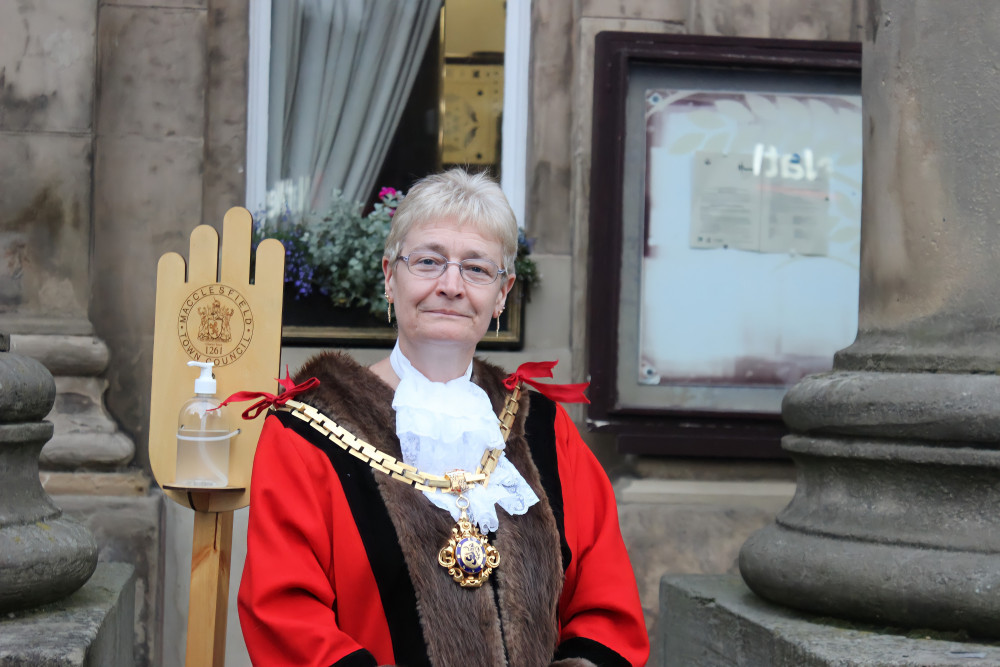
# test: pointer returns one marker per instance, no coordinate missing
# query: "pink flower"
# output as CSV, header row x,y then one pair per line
x,y
386,192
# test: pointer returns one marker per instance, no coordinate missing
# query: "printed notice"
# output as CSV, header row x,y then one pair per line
x,y
760,202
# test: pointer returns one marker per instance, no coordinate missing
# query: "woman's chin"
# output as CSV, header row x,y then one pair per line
x,y
456,334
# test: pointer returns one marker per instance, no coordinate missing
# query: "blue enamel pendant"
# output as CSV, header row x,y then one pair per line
x,y
469,557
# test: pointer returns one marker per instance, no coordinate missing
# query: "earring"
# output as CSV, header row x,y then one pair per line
x,y
498,321
388,310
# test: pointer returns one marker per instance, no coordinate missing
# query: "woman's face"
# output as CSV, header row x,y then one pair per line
x,y
447,309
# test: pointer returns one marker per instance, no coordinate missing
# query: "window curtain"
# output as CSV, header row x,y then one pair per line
x,y
341,73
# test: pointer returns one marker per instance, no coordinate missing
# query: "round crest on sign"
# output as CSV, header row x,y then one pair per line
x,y
215,323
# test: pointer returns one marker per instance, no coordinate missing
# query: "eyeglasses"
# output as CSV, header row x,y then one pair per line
x,y
425,264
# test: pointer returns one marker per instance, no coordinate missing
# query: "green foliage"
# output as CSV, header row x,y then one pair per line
x,y
524,266
345,248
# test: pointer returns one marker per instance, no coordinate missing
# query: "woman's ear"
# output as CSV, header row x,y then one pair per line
x,y
387,272
508,285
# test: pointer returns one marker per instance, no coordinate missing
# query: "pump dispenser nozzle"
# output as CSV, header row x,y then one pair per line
x,y
205,384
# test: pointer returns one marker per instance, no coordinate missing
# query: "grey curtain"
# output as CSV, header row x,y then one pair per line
x,y
341,72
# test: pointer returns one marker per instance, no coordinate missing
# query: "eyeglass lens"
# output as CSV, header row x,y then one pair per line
x,y
432,265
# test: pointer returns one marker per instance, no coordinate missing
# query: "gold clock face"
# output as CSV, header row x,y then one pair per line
x,y
461,124
473,103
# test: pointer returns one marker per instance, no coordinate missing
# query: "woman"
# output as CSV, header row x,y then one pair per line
x,y
378,552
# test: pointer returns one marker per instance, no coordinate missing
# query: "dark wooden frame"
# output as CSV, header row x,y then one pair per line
x,y
668,432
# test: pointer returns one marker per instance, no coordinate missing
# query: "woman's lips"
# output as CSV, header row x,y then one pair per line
x,y
447,313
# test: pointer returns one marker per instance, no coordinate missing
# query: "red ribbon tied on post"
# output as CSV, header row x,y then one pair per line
x,y
268,400
561,393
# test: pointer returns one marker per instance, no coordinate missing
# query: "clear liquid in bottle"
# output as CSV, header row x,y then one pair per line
x,y
203,439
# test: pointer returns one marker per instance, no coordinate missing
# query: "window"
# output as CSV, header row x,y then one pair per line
x,y
458,103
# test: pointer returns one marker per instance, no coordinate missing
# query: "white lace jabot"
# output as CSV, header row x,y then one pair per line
x,y
444,426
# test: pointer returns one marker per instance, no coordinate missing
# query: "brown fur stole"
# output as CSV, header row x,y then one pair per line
x,y
461,626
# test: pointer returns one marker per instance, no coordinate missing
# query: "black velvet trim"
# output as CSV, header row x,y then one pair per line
x,y
360,658
399,601
539,431
596,652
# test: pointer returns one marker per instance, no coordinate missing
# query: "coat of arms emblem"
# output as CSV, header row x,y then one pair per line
x,y
220,321
214,327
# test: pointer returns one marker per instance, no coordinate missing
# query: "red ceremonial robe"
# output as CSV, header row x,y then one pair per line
x,y
342,560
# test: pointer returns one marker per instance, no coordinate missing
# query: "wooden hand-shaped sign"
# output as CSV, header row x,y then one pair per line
x,y
220,317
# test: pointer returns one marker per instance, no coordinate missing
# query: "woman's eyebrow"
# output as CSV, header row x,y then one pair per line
x,y
430,245
441,250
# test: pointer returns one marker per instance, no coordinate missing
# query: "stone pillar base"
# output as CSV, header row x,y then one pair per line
x,y
894,517
93,627
85,434
716,621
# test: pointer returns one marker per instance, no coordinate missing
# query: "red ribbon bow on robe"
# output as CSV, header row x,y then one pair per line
x,y
562,393
268,400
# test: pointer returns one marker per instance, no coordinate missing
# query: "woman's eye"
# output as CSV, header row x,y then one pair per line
x,y
427,261
475,268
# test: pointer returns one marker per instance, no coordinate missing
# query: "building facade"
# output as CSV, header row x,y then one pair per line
x,y
123,125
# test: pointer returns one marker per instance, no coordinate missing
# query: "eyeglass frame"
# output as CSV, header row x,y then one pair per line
x,y
447,263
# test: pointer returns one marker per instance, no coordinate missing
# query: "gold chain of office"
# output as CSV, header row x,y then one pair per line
x,y
468,555
455,481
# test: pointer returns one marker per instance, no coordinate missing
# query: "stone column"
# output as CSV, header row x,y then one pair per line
x,y
896,518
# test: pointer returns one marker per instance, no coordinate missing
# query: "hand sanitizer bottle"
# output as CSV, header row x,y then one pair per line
x,y
202,436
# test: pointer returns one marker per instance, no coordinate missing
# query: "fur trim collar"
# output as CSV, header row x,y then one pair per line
x,y
460,626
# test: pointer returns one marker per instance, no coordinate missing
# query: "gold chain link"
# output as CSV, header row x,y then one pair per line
x,y
454,482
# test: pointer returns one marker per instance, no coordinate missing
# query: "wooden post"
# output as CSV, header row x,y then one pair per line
x,y
211,309
209,598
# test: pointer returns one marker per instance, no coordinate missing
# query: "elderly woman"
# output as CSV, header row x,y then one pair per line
x,y
425,510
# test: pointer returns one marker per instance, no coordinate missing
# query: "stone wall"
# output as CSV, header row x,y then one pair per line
x,y
47,92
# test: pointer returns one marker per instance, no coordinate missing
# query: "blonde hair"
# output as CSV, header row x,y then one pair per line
x,y
469,199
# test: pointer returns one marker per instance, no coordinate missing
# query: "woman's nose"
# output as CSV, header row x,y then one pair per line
x,y
451,281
